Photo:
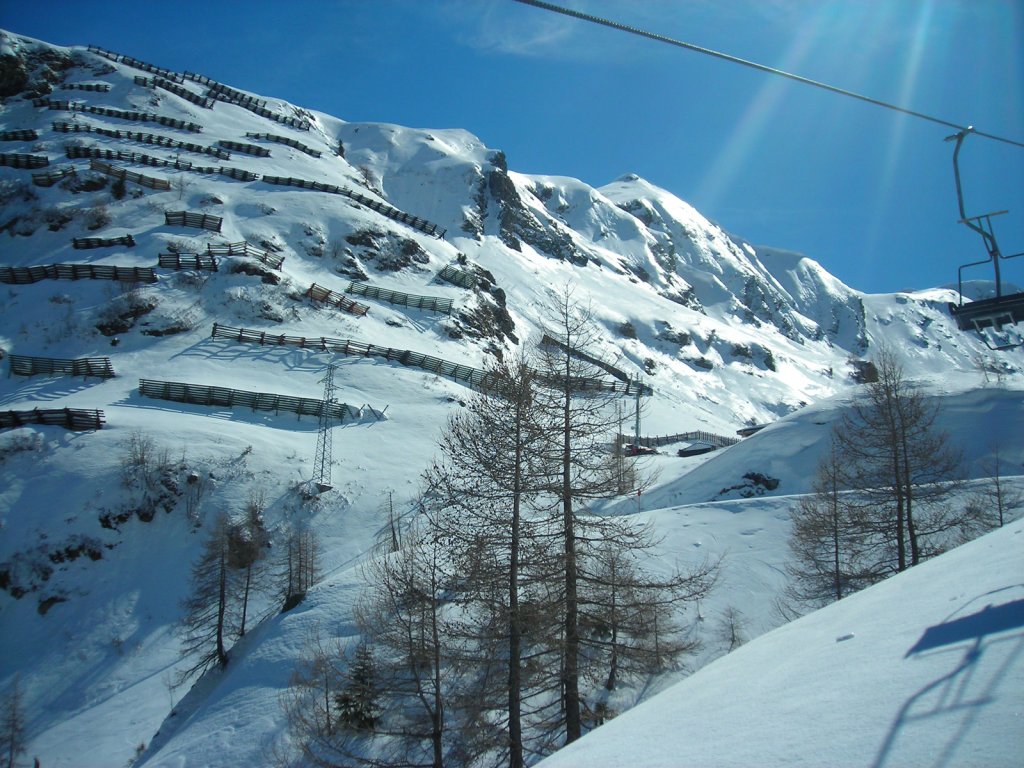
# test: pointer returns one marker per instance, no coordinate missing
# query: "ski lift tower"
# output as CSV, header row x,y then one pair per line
x,y
322,461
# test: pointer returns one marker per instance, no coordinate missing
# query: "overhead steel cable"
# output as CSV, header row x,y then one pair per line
x,y
762,68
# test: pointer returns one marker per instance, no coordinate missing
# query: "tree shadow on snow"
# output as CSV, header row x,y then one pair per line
x,y
46,389
292,358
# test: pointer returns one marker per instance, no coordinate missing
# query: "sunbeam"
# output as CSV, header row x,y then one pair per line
x,y
747,134
894,145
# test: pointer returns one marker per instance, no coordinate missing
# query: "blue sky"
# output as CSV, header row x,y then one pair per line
x,y
867,192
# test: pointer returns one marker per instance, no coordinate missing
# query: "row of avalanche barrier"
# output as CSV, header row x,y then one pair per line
x,y
23,161
177,90
75,152
28,275
179,261
475,377
203,394
75,419
97,87
382,208
335,299
216,91
156,183
25,365
50,178
432,303
142,138
246,249
225,93
118,58
126,175
139,117
468,374
285,140
20,134
193,219
248,149
85,243
719,441
460,277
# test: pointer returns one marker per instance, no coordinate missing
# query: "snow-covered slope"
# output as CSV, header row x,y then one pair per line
x,y
924,669
93,562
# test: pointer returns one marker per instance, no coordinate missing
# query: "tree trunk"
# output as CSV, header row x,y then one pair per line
x,y
570,680
515,728
245,599
222,604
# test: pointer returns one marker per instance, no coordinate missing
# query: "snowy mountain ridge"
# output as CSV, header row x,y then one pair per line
x,y
93,565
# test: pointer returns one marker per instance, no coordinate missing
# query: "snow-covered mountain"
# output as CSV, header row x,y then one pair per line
x,y
388,219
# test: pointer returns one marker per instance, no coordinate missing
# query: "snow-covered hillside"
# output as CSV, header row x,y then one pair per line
x,y
93,564
923,669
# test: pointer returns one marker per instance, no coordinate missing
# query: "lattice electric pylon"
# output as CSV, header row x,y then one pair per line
x,y
322,460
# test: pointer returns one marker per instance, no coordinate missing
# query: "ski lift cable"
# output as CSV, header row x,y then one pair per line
x,y
760,67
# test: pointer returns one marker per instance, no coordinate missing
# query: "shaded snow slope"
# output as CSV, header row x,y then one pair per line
x,y
924,669
94,561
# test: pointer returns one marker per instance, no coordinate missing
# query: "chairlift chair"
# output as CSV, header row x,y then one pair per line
x,y
990,317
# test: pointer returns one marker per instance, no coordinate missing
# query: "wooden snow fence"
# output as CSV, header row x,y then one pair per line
x,y
142,138
122,173
97,87
24,365
120,58
26,275
223,92
384,209
431,303
229,95
115,57
248,149
202,394
177,90
193,219
246,249
179,261
291,122
285,140
234,173
475,377
427,227
75,152
460,277
468,374
718,441
85,243
49,178
75,419
335,299
289,181
22,134
138,117
23,161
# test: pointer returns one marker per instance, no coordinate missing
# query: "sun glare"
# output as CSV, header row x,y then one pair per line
x,y
747,134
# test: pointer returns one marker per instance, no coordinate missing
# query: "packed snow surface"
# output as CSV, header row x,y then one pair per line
x,y
925,669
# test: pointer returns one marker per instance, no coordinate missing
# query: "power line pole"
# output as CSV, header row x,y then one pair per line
x,y
322,461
